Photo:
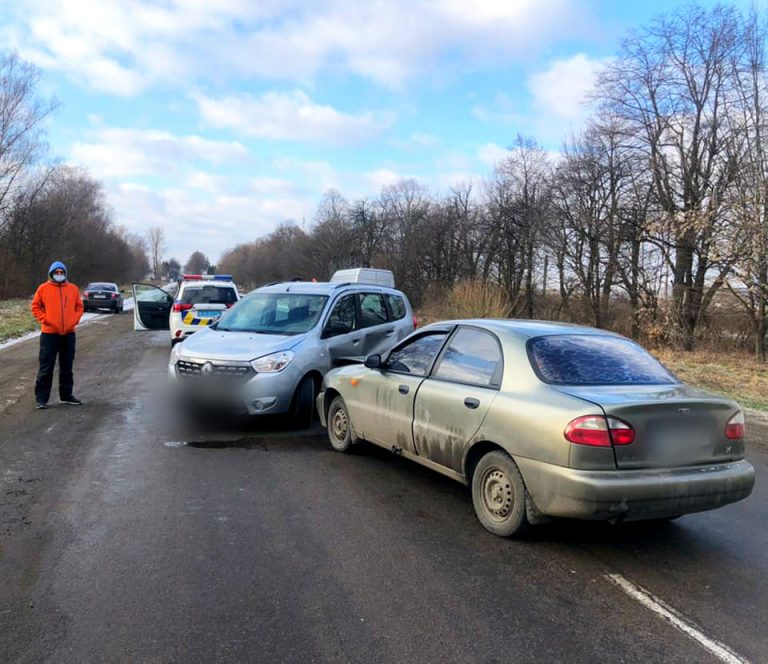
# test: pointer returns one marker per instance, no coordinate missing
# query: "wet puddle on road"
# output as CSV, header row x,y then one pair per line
x,y
283,443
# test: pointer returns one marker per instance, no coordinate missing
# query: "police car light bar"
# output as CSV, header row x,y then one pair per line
x,y
200,277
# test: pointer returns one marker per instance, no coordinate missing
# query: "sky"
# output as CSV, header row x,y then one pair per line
x,y
219,119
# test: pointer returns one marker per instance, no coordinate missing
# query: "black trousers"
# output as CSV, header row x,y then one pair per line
x,y
52,345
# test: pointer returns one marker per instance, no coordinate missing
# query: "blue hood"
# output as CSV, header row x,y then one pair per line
x,y
56,265
212,344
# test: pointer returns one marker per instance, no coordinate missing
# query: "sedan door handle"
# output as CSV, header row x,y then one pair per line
x,y
403,389
388,332
355,341
469,402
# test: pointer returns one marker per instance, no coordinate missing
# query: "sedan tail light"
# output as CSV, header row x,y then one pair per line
x,y
178,306
115,295
735,430
415,322
599,431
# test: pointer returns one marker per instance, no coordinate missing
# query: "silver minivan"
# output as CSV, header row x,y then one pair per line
x,y
269,352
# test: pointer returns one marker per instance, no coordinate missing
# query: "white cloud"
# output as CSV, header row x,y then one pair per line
x,y
124,46
491,154
289,116
122,152
561,90
557,104
196,220
382,177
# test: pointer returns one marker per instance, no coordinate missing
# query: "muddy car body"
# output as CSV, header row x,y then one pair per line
x,y
544,420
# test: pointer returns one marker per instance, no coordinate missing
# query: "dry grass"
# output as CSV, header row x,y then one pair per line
x,y
467,299
16,318
735,375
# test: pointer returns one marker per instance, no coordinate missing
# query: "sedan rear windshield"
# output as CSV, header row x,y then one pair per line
x,y
102,287
208,295
274,313
584,359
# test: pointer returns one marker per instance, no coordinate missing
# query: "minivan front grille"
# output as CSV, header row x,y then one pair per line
x,y
190,369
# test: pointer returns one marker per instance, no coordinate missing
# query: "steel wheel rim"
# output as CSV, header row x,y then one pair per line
x,y
497,494
339,425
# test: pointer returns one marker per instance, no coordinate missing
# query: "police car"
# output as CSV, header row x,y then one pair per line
x,y
199,301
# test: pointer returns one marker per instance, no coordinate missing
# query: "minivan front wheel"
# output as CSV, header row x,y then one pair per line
x,y
498,495
303,405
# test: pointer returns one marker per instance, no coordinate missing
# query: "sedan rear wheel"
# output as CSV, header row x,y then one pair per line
x,y
339,426
498,494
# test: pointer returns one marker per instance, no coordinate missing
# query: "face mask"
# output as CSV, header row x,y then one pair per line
x,y
59,277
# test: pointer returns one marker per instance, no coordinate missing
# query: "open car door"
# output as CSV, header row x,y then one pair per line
x,y
152,307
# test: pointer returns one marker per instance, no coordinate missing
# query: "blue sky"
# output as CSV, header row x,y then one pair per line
x,y
218,119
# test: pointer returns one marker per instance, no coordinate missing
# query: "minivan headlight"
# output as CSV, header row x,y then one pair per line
x,y
175,354
272,363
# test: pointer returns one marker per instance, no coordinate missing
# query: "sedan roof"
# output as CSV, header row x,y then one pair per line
x,y
527,328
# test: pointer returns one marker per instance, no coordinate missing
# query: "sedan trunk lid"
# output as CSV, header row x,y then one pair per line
x,y
675,425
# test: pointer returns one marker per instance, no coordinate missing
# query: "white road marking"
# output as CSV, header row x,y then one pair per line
x,y
658,606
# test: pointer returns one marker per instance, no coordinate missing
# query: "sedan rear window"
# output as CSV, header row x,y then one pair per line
x,y
208,295
584,359
102,287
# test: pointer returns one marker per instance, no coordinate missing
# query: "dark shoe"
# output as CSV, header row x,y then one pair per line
x,y
72,401
41,406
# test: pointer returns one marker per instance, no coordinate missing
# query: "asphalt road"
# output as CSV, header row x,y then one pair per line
x,y
127,535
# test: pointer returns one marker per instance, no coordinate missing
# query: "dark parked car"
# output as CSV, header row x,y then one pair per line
x,y
103,295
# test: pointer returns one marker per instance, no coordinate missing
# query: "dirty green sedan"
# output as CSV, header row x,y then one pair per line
x,y
543,420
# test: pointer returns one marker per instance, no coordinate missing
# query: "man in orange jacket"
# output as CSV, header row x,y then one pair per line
x,y
58,307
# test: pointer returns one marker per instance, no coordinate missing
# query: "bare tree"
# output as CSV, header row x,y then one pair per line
x,y
671,86
22,112
520,195
749,284
197,263
156,242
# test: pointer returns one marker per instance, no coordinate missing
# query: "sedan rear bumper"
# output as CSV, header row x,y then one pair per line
x,y
635,494
101,304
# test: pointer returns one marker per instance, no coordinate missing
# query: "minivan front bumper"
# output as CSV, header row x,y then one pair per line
x,y
259,394
635,494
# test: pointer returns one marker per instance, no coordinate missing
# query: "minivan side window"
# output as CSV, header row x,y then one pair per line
x,y
396,306
372,309
472,357
342,318
417,355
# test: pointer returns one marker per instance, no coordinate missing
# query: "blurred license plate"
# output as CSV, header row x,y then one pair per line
x,y
680,438
100,297
209,314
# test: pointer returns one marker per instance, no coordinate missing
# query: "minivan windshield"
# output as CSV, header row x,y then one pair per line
x,y
274,313
590,359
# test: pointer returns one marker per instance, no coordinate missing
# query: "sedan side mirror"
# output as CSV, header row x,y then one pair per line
x,y
373,361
